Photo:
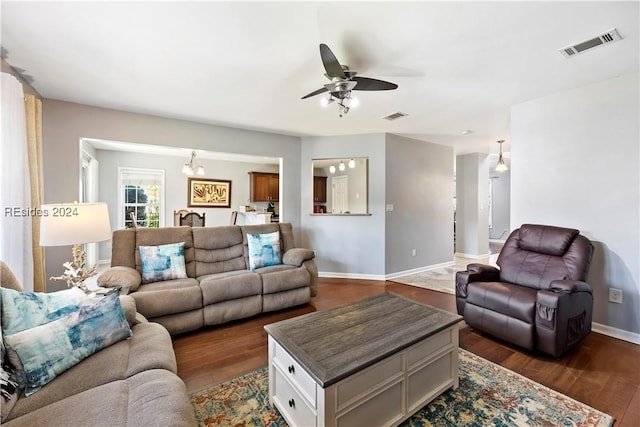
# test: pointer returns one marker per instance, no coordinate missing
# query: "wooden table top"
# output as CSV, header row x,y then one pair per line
x,y
333,344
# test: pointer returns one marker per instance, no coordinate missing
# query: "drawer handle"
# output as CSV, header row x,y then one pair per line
x,y
291,369
292,403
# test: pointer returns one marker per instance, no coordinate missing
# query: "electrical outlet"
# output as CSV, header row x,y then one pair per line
x,y
615,295
414,252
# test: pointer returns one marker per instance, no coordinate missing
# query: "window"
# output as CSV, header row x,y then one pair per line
x,y
141,197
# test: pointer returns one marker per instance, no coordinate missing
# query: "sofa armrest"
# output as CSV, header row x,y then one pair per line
x,y
297,256
128,305
569,286
126,277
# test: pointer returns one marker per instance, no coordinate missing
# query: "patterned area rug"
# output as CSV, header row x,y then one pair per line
x,y
489,395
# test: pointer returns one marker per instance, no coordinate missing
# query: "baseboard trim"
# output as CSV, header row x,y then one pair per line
x,y
419,270
334,275
620,334
472,256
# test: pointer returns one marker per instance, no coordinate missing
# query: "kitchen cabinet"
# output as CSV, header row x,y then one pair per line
x,y
264,187
320,189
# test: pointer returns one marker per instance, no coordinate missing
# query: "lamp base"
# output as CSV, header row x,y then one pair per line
x,y
75,272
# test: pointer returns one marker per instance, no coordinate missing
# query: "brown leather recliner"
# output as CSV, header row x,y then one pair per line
x,y
538,299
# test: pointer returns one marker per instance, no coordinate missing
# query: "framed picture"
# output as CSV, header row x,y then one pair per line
x,y
209,193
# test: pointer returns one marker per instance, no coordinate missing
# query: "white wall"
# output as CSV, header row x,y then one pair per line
x,y
472,197
575,163
501,209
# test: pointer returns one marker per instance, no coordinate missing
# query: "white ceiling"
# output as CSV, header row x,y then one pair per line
x,y
459,65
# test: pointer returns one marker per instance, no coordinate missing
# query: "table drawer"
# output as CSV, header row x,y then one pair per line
x,y
295,373
429,347
367,380
292,405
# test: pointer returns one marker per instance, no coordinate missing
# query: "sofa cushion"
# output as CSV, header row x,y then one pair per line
x,y
264,249
218,249
25,310
229,285
168,297
280,278
50,349
511,300
162,262
154,397
148,348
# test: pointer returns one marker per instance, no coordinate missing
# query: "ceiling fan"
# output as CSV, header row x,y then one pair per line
x,y
343,81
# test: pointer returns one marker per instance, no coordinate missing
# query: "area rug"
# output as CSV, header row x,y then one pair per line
x,y
489,395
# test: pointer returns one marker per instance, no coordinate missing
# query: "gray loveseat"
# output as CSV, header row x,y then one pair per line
x,y
219,286
130,383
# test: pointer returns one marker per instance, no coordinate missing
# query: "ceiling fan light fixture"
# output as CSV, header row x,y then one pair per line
x,y
353,102
326,101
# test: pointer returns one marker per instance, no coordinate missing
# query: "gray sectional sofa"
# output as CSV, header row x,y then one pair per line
x,y
130,383
219,286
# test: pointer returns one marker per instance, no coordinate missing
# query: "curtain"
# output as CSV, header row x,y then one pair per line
x,y
33,112
16,244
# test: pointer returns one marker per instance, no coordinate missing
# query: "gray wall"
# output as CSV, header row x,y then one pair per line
x,y
347,246
419,185
380,244
472,197
501,205
175,184
575,163
65,123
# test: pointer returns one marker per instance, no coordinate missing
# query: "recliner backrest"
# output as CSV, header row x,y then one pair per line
x,y
535,255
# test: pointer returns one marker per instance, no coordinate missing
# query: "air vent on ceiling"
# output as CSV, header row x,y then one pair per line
x,y
602,39
395,116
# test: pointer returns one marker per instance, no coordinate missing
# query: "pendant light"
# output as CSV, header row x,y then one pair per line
x,y
501,165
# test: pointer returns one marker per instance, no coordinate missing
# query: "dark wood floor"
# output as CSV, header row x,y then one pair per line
x,y
603,372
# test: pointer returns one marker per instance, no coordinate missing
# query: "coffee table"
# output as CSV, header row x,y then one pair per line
x,y
373,362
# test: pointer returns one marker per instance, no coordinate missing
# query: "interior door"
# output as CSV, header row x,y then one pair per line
x,y
339,194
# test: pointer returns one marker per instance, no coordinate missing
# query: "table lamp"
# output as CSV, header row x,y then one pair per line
x,y
75,224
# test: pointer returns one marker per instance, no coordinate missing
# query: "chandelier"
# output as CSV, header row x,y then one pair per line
x,y
191,166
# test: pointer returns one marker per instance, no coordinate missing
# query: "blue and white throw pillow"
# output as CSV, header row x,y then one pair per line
x,y
50,349
264,249
164,262
24,310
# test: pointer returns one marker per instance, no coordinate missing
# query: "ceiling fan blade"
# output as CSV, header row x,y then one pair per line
x,y
331,64
315,92
365,83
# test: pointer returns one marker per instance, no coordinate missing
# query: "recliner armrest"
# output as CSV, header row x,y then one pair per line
x,y
478,273
296,256
570,286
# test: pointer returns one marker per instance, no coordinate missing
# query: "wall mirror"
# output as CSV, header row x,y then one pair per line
x,y
340,186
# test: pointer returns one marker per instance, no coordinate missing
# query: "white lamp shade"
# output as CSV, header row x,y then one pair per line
x,y
74,223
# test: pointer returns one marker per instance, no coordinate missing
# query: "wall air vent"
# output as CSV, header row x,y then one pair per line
x,y
395,116
600,40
